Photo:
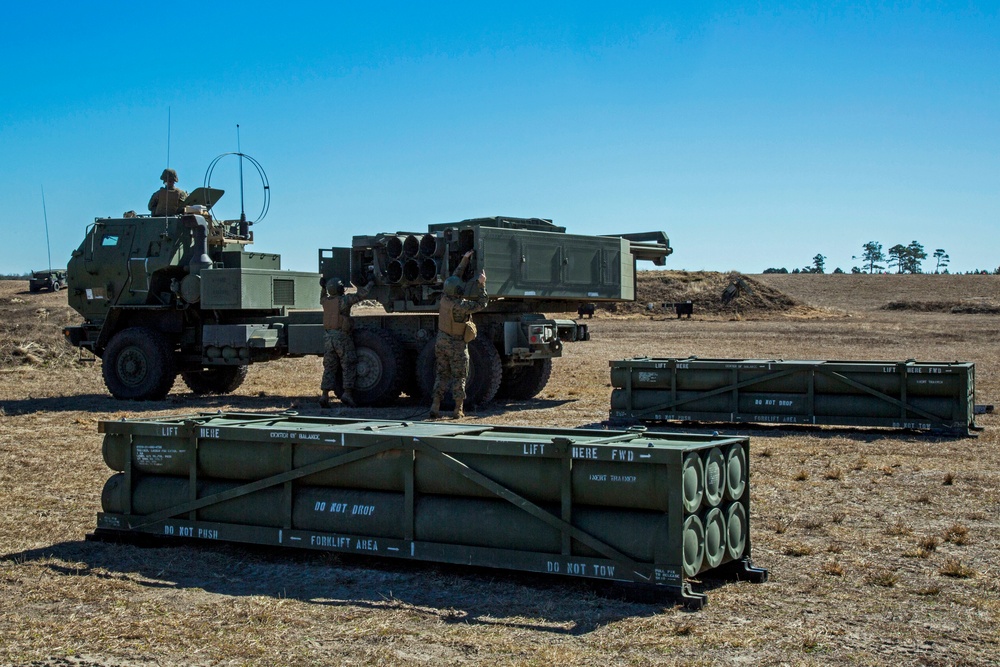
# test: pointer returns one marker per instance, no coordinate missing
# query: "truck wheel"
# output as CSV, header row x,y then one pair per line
x,y
215,380
485,373
56,286
523,382
381,368
138,365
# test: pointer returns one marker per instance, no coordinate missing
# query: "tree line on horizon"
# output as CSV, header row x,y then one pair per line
x,y
903,258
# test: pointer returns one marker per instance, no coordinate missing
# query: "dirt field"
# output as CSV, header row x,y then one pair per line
x,y
881,545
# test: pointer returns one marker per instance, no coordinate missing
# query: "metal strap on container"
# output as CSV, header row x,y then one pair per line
x,y
525,504
274,480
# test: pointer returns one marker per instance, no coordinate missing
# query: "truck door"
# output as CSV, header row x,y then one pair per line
x,y
107,256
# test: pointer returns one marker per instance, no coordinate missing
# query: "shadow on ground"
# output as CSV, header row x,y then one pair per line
x,y
405,409
861,433
457,594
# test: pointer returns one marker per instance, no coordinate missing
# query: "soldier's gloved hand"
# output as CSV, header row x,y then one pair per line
x,y
482,278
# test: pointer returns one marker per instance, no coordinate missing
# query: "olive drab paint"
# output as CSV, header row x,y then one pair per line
x,y
628,506
183,294
933,396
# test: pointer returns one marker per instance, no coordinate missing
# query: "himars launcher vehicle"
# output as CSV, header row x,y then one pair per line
x,y
184,294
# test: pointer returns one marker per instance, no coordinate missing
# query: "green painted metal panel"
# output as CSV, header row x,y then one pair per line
x,y
527,262
258,289
627,505
908,394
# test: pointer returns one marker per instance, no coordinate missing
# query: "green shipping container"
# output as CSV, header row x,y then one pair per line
x,y
628,506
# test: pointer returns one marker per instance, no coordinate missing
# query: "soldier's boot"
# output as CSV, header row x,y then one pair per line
x,y
347,398
435,408
324,400
459,412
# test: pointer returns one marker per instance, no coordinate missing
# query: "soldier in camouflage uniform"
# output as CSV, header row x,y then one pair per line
x,y
168,200
451,352
340,352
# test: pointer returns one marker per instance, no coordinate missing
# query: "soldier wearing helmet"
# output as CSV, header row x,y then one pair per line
x,y
340,353
168,200
455,330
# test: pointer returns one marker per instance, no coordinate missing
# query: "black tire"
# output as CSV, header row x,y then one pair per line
x,y
523,382
138,365
381,368
215,380
485,373
56,286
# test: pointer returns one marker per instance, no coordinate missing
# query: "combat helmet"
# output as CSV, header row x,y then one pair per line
x,y
334,285
453,286
169,174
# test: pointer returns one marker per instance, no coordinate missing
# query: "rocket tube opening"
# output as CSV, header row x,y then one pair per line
x,y
428,270
431,246
693,551
736,471
411,270
714,524
715,478
395,271
693,482
394,247
411,246
736,531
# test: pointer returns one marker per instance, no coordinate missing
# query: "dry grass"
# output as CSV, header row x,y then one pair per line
x,y
956,569
833,568
66,601
882,577
957,534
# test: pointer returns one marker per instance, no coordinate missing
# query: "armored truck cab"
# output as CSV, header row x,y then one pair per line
x,y
179,294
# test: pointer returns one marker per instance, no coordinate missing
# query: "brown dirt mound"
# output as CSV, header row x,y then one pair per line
x,y
704,289
966,306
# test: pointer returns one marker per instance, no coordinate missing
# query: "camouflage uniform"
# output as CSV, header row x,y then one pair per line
x,y
167,200
339,345
451,352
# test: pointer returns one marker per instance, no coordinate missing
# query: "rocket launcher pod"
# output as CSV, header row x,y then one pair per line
x,y
937,396
627,506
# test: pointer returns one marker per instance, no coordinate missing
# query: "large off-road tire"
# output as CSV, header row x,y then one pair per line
x,y
485,373
381,368
215,380
138,365
56,286
523,382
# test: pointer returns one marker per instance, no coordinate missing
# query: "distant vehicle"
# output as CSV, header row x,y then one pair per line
x,y
47,280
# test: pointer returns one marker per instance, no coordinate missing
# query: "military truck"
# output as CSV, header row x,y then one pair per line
x,y
49,279
162,296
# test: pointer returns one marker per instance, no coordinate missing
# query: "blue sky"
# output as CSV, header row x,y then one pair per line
x,y
754,134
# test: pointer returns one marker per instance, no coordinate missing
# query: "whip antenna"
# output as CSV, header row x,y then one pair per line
x,y
168,137
239,151
45,214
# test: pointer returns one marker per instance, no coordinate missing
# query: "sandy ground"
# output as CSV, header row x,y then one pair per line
x,y
881,545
